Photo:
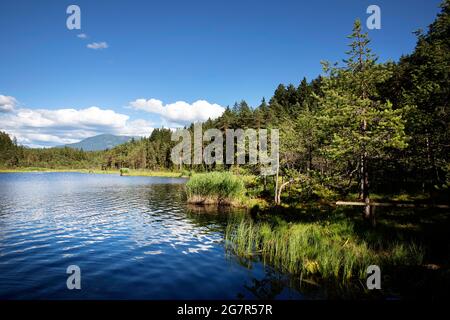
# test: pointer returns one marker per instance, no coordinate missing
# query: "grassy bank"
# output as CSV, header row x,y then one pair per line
x,y
329,249
130,172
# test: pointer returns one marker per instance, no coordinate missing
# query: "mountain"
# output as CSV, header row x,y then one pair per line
x,y
100,142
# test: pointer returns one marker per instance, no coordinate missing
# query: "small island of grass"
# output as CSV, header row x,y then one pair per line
x,y
222,188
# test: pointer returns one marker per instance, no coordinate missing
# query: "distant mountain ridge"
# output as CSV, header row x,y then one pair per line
x,y
100,142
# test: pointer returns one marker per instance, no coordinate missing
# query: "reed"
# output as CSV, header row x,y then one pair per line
x,y
330,251
215,188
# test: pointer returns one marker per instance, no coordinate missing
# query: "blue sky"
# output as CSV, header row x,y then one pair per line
x,y
163,52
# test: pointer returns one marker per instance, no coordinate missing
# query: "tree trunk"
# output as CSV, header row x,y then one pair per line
x,y
309,162
284,184
276,179
367,214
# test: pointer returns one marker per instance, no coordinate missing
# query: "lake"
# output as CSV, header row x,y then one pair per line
x,y
132,237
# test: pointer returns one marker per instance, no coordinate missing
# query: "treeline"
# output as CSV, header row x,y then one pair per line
x,y
13,155
361,125
151,153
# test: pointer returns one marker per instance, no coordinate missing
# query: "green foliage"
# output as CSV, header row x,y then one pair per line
x,y
215,188
360,125
331,250
124,171
8,151
13,156
421,83
186,173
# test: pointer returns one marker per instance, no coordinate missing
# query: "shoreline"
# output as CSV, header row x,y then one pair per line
x,y
136,173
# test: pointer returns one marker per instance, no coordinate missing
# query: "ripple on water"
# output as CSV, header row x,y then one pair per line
x,y
131,236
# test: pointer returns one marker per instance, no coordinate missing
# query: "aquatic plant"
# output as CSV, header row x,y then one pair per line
x,y
215,188
331,250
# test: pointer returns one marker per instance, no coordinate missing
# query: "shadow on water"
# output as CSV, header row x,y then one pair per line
x,y
427,227
205,215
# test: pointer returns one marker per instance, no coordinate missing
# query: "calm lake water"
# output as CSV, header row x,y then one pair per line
x,y
132,237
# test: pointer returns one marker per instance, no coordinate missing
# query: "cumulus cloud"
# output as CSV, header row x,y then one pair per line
x,y
82,35
7,103
97,45
180,111
71,118
44,127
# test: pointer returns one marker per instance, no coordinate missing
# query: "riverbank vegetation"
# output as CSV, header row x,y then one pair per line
x,y
334,247
331,249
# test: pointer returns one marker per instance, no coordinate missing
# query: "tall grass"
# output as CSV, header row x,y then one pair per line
x,y
215,188
330,251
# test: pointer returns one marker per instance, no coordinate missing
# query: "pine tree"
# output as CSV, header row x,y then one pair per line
x,y
360,124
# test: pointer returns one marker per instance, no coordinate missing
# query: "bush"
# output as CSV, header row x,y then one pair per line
x,y
215,188
186,173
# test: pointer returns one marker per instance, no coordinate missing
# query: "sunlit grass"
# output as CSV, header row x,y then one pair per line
x,y
215,187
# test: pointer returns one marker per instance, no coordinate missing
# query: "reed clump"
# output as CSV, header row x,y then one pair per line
x,y
329,251
222,188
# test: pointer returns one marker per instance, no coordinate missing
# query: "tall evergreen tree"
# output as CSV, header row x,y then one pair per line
x,y
359,123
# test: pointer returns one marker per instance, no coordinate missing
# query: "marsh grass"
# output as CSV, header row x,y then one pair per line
x,y
328,250
215,188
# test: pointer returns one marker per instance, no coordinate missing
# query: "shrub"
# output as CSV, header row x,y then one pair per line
x,y
124,171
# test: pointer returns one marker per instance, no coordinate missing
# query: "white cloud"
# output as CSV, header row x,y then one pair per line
x,y
44,127
7,103
82,118
180,111
97,45
137,127
82,35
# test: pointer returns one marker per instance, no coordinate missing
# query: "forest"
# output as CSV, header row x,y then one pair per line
x,y
361,126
